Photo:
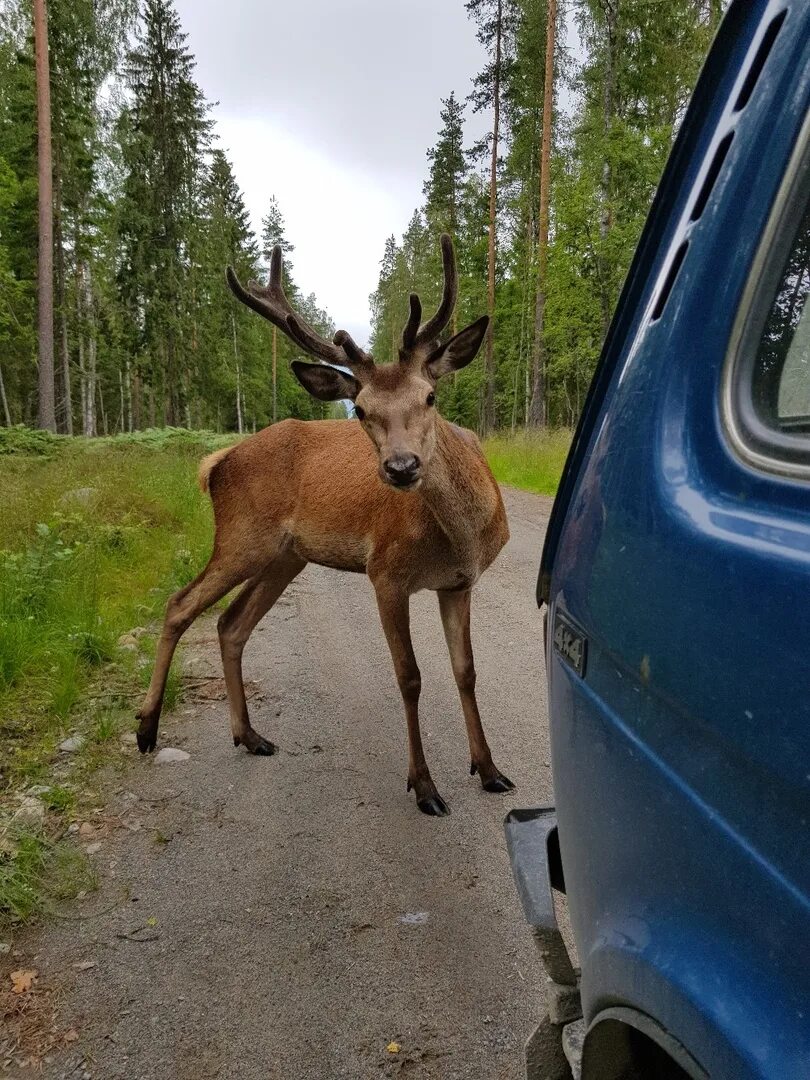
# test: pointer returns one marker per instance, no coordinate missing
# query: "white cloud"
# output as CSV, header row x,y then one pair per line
x,y
336,214
331,105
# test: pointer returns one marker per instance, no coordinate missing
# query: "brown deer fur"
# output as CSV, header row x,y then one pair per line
x,y
404,497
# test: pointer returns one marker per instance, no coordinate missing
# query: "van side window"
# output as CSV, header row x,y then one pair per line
x,y
766,382
780,389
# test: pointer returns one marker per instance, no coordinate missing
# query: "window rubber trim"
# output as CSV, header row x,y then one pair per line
x,y
752,441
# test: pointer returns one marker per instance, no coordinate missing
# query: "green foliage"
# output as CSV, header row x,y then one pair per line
x,y
640,61
532,460
147,214
36,873
24,440
96,535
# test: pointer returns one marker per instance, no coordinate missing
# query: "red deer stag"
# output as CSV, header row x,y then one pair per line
x,y
403,496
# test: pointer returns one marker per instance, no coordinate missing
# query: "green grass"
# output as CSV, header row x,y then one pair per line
x,y
530,460
40,874
94,536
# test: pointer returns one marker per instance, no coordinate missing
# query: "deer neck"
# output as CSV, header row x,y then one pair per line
x,y
461,491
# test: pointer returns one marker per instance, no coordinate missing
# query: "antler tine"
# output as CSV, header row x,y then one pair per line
x,y
356,358
411,330
433,327
271,303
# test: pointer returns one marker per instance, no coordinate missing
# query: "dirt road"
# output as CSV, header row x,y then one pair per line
x,y
291,917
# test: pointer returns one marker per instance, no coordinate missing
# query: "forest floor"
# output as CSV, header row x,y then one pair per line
x,y
297,916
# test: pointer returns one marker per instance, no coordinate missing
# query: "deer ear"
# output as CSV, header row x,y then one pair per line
x,y
458,351
324,382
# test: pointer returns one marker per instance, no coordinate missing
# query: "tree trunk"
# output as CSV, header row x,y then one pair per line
x,y
275,374
133,380
238,378
90,315
61,305
606,215
47,412
4,399
489,358
538,410
121,426
80,346
103,411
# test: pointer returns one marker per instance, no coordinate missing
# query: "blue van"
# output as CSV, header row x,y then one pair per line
x,y
676,575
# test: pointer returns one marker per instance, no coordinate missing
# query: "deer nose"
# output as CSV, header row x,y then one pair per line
x,y
402,469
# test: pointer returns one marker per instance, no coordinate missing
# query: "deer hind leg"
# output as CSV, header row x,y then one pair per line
x,y
217,579
395,617
455,611
235,627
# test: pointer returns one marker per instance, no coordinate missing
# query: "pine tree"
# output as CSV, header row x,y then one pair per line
x,y
165,132
47,414
223,340
537,405
86,45
495,21
274,235
448,171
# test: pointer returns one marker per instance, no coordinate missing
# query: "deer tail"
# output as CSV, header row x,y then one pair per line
x,y
208,464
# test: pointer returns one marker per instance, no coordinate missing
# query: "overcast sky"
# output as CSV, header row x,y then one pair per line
x,y
331,105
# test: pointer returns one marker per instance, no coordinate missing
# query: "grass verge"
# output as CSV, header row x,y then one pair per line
x,y
530,460
94,536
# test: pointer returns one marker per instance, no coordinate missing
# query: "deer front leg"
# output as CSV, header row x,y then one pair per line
x,y
455,611
217,579
395,616
235,627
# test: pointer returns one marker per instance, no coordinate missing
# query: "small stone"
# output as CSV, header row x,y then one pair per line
x,y
71,745
5,947
38,789
93,849
86,829
84,965
128,643
170,754
73,828
82,496
129,738
414,918
138,632
31,812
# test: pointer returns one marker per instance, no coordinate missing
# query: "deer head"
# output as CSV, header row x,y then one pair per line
x,y
395,403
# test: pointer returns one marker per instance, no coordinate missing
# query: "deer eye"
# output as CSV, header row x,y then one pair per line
x,y
431,398
359,413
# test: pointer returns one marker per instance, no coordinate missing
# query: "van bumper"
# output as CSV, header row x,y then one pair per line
x,y
531,840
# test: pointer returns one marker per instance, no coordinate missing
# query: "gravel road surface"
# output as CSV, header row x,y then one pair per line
x,y
296,917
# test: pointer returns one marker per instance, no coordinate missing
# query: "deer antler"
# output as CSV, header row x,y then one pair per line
x,y
414,334
270,301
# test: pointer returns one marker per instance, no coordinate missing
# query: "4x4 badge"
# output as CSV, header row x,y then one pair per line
x,y
570,644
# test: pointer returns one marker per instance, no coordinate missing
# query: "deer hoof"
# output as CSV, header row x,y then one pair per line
x,y
147,740
254,743
498,784
433,806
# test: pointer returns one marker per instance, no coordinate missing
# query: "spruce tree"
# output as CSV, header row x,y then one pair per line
x,y
165,132
274,235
